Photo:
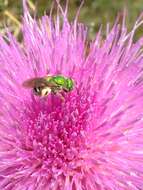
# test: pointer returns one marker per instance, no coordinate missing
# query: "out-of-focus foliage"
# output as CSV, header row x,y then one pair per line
x,y
93,13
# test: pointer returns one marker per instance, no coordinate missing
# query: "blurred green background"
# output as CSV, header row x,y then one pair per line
x,y
93,13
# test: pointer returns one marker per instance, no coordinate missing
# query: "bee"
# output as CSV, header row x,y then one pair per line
x,y
42,86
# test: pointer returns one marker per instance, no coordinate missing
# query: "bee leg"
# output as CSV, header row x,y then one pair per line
x,y
59,95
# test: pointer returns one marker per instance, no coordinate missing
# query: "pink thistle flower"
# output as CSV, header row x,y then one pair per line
x,y
93,140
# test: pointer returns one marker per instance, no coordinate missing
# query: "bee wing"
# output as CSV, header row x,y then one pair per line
x,y
30,83
50,83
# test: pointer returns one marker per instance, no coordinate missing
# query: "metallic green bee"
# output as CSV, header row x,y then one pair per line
x,y
42,86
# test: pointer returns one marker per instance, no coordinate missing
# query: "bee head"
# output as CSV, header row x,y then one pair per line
x,y
70,84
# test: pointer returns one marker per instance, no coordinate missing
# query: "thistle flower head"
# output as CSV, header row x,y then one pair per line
x,y
93,139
